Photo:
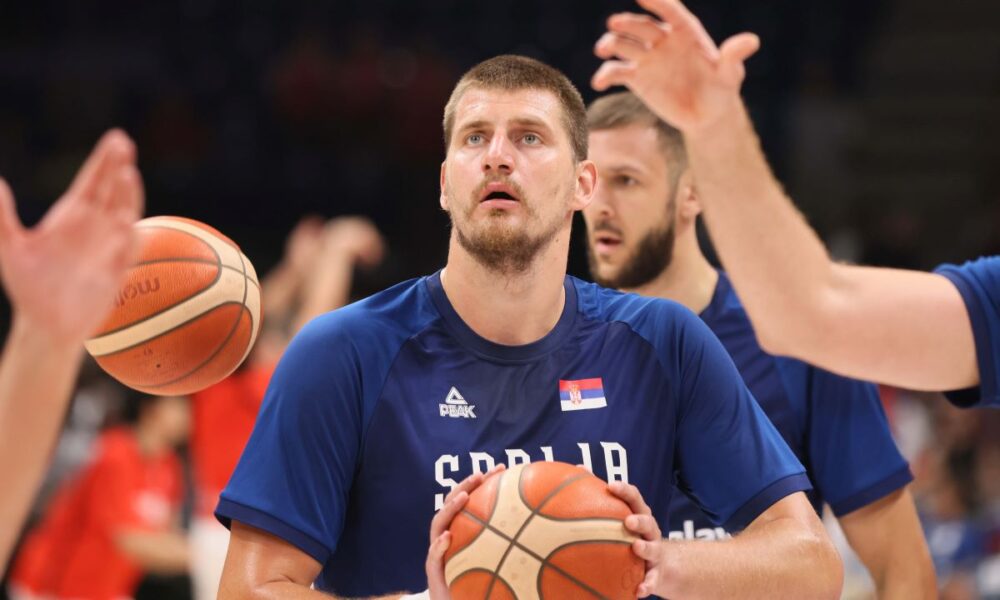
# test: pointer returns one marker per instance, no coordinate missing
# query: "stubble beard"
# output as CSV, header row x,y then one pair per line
x,y
496,244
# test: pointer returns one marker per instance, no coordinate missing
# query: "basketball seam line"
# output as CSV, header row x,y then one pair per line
x,y
215,280
535,555
520,530
197,261
229,336
514,542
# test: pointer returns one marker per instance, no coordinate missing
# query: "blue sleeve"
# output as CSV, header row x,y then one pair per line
x,y
732,461
853,460
978,282
295,473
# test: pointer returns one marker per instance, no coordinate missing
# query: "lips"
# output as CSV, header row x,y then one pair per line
x,y
605,241
498,191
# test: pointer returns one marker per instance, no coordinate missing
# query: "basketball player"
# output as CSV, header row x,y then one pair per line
x,y
60,277
377,410
923,331
641,238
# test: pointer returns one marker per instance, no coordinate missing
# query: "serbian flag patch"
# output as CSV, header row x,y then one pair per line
x,y
581,394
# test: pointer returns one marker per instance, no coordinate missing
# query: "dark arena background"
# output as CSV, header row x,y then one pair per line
x,y
881,117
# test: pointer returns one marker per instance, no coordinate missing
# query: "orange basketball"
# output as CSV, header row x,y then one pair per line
x,y
187,314
542,530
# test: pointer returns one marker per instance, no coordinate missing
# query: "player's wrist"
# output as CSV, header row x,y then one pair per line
x,y
726,122
43,336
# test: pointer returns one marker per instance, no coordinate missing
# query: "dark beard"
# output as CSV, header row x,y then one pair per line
x,y
652,256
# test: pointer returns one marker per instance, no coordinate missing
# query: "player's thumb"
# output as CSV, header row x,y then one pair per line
x,y
740,47
734,51
10,224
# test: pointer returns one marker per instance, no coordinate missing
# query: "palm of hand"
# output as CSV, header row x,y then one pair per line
x,y
673,65
61,275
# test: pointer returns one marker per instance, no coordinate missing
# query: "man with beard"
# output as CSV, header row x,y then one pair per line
x,y
641,238
377,410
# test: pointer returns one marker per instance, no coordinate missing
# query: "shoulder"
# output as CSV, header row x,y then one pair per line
x,y
664,324
640,312
982,273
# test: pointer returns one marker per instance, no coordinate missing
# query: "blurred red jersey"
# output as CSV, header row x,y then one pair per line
x,y
223,416
71,553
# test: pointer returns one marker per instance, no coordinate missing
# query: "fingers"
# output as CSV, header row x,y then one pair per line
x,y
739,47
642,28
644,526
437,588
648,584
114,149
10,223
616,44
127,197
647,550
442,520
631,495
611,73
671,11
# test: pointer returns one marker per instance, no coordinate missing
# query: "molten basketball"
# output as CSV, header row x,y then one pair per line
x,y
187,314
542,530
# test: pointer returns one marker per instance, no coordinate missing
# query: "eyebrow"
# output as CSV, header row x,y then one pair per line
x,y
525,122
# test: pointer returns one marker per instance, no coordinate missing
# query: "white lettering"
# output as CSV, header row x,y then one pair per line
x,y
617,470
452,461
481,462
516,456
585,455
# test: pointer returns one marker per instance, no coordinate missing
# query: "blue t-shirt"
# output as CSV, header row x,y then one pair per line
x,y
834,425
378,409
978,281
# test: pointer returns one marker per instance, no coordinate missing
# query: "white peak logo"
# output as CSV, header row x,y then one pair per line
x,y
456,407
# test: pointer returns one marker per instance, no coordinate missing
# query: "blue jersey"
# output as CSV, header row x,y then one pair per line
x,y
978,281
836,426
378,409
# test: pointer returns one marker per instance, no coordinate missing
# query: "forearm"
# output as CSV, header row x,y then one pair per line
x,y
163,553
37,375
779,266
329,288
905,582
777,559
278,290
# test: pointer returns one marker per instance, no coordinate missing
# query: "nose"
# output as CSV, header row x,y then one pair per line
x,y
499,156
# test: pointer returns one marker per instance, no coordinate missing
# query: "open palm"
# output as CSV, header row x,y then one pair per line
x,y
672,64
61,275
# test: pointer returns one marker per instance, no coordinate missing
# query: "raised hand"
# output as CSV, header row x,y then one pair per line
x,y
61,275
672,64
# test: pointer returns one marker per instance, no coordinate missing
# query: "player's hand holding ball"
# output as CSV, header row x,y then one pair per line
x,y
536,531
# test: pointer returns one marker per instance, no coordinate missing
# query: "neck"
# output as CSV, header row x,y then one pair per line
x,y
508,309
689,278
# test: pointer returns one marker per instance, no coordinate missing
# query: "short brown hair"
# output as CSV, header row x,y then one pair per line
x,y
625,108
511,72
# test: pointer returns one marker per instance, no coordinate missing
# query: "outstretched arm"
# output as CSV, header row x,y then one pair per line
x,y
60,278
904,328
